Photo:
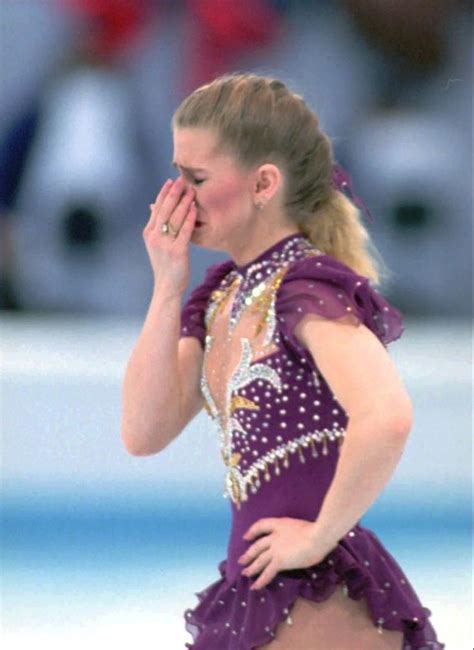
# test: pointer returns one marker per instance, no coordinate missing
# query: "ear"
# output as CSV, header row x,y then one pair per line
x,y
268,181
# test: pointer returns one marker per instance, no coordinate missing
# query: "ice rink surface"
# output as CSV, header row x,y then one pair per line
x,y
100,547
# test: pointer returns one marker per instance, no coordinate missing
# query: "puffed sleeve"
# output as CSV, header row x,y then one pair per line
x,y
324,286
194,309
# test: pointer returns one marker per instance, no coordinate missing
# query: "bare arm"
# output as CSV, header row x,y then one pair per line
x,y
365,382
161,392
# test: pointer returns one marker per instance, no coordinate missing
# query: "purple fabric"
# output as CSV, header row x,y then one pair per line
x,y
229,616
342,181
192,314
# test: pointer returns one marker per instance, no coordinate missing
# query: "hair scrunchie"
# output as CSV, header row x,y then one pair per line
x,y
342,181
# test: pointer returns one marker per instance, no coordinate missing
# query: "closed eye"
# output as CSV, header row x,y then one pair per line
x,y
198,181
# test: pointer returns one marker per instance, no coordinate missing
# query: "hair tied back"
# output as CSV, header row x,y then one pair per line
x,y
342,181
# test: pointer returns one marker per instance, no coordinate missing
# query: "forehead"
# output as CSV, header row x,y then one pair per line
x,y
197,148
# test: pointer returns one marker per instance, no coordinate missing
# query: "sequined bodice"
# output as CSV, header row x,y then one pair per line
x,y
266,404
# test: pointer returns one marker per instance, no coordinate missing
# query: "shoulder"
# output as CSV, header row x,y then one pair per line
x,y
213,276
322,285
194,309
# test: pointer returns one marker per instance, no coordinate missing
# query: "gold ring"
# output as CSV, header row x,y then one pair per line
x,y
172,230
167,228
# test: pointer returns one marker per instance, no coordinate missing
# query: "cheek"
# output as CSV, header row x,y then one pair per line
x,y
223,199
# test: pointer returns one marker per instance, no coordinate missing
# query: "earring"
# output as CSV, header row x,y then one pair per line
x,y
259,206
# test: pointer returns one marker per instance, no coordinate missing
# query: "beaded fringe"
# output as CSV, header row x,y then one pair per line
x,y
237,485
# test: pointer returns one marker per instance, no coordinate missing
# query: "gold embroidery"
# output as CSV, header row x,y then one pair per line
x,y
240,402
239,481
265,301
218,299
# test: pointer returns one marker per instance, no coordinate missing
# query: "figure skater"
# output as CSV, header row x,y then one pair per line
x,y
285,346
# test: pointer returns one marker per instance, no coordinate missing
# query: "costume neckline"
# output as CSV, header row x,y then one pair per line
x,y
270,253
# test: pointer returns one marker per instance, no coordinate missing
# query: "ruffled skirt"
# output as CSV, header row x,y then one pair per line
x,y
231,616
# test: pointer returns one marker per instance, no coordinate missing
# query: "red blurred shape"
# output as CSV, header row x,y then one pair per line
x,y
111,24
218,30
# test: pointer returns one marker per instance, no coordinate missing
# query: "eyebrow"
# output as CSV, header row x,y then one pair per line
x,y
189,169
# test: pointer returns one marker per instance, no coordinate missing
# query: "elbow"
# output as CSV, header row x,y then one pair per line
x,y
131,446
136,448
400,421
392,418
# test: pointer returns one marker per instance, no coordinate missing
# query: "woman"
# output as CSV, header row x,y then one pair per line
x,y
284,344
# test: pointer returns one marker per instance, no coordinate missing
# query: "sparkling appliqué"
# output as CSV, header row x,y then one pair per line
x,y
237,482
252,285
257,295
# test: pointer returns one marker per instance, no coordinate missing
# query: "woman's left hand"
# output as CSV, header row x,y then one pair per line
x,y
289,544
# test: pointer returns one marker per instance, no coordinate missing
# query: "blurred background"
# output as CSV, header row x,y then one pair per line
x,y
100,546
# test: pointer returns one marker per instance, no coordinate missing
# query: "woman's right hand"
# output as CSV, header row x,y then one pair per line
x,y
169,255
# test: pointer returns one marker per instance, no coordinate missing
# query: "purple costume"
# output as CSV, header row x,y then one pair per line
x,y
280,429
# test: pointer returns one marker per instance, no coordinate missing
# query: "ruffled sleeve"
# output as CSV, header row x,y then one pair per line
x,y
324,286
194,309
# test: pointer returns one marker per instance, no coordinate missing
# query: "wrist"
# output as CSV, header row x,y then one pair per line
x,y
163,294
322,537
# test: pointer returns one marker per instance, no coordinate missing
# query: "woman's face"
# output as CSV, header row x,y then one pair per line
x,y
223,192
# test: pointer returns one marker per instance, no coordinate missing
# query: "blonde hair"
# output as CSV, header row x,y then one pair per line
x,y
257,119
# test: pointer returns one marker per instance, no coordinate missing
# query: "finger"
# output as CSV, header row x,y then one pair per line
x,y
261,526
259,564
186,230
170,201
267,576
257,547
155,207
181,213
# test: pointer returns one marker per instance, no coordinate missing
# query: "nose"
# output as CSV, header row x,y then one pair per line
x,y
185,183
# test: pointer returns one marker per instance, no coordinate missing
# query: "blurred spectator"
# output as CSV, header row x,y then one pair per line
x,y
74,169
13,158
